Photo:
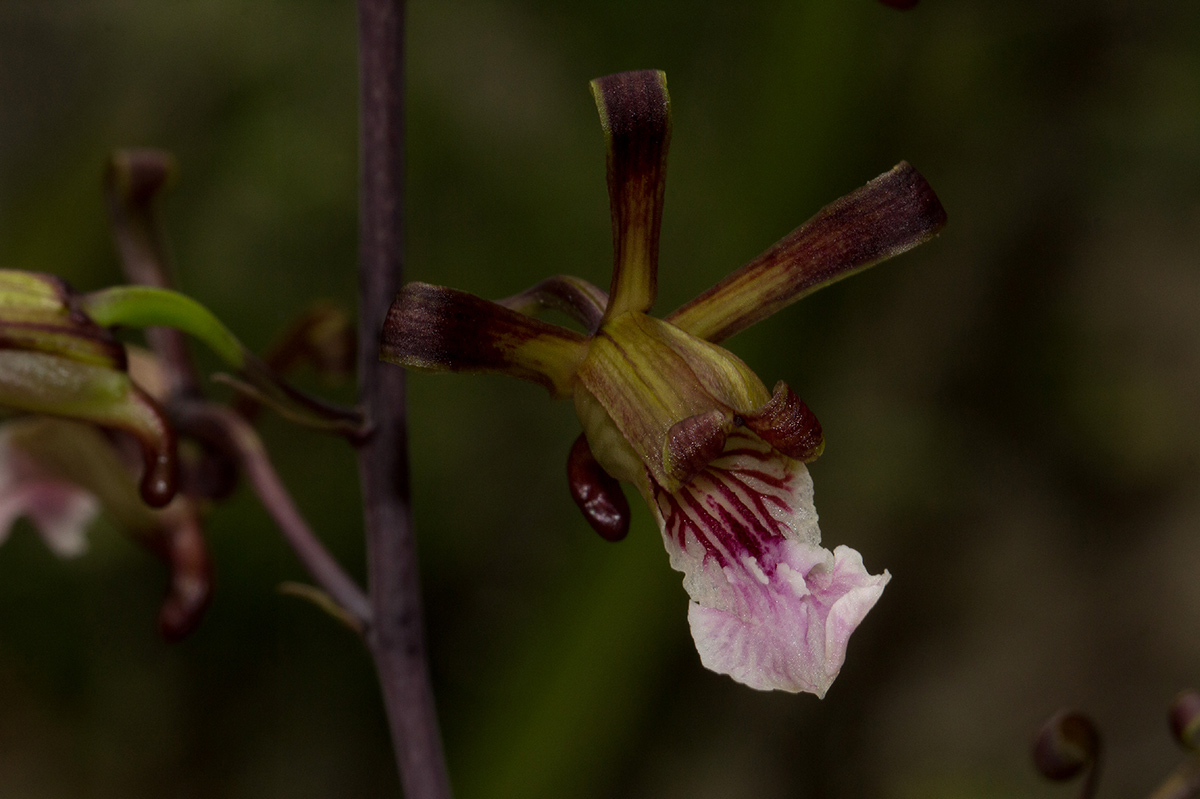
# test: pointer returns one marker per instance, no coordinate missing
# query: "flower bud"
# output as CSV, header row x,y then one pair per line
x,y
1066,744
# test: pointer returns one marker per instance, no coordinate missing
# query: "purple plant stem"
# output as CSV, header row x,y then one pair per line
x,y
396,636
132,183
238,439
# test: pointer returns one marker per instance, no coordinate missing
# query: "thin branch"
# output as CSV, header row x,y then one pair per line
x,y
324,336
574,296
396,638
132,183
323,601
237,438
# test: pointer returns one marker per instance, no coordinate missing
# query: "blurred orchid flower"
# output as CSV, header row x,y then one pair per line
x,y
62,473
72,380
61,367
717,457
55,360
58,357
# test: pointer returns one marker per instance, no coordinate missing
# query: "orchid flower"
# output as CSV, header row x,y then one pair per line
x,y
719,459
70,378
62,367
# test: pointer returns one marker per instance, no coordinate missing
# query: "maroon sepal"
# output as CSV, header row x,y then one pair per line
x,y
441,329
889,215
597,493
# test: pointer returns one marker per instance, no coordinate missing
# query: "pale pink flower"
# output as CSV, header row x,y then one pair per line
x,y
61,511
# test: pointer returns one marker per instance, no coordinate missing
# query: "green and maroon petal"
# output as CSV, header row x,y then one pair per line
x,y
644,387
649,377
635,112
444,330
892,214
574,296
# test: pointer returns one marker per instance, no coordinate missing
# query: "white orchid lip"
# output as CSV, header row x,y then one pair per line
x,y
797,641
770,607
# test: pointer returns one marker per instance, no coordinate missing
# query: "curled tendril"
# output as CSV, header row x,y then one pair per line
x,y
1067,745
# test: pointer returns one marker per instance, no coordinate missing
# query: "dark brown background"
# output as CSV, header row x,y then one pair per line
x,y
1010,411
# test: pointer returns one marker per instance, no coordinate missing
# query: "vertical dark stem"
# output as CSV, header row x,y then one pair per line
x,y
396,637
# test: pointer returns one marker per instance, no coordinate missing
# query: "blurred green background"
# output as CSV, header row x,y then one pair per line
x,y
1009,411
